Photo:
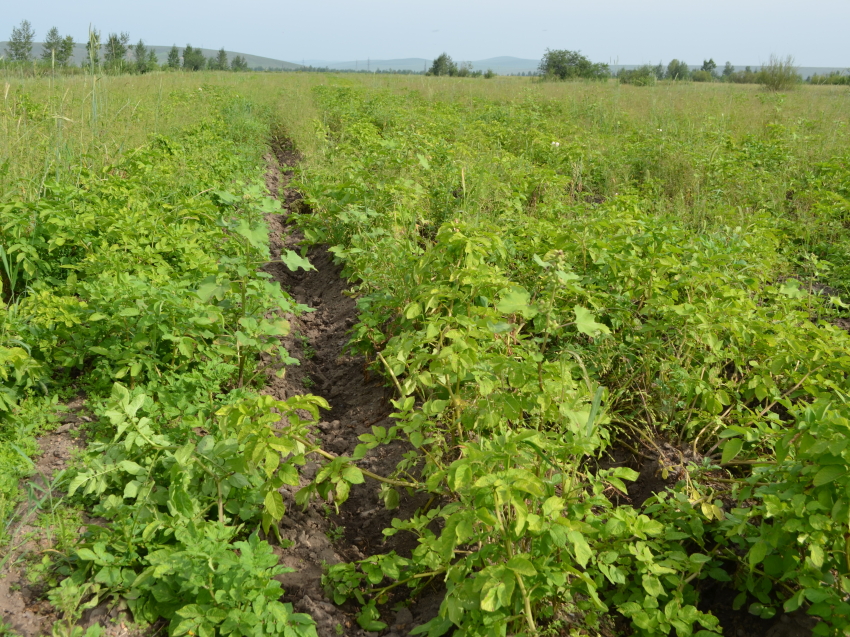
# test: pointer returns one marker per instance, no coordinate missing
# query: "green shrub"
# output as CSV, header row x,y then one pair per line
x,y
779,74
567,65
645,75
834,78
678,70
747,76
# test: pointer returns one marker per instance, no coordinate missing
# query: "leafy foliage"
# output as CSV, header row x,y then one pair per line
x,y
157,489
147,273
645,75
535,328
678,70
567,65
193,59
443,65
19,48
56,48
779,74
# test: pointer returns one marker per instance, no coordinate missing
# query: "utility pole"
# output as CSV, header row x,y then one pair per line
x,y
368,64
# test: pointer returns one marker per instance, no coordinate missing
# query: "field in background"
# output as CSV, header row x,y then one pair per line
x,y
64,123
546,273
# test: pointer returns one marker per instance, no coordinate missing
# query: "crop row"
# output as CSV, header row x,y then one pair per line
x,y
533,320
138,287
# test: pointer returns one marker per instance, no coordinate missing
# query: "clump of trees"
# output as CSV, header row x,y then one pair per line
x,y
677,70
193,59
778,74
19,48
145,59
646,75
57,49
562,64
444,65
834,78
707,72
115,52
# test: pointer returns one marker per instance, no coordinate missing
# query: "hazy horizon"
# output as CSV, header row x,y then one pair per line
x,y
613,31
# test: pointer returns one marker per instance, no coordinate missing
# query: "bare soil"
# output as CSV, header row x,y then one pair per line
x,y
358,401
22,603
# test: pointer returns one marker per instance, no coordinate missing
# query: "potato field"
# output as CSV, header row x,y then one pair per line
x,y
303,354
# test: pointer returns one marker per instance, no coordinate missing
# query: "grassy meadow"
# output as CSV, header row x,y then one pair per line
x,y
551,275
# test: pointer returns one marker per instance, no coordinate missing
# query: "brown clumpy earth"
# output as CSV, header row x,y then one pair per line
x,y
23,605
358,401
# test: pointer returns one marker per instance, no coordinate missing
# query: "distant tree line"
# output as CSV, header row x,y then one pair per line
x,y
834,78
777,74
115,55
327,69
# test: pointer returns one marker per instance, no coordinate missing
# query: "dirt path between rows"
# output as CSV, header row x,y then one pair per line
x,y
33,532
358,401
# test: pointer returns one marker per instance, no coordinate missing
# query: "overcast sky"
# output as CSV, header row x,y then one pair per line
x,y
624,31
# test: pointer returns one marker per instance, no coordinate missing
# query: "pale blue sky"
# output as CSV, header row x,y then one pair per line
x,y
624,31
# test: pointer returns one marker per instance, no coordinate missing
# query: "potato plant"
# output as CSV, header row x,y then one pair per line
x,y
530,319
139,285
545,276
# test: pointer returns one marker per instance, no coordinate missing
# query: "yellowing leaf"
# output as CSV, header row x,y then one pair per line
x,y
652,585
293,261
586,322
516,301
522,566
580,547
353,475
273,502
413,310
816,554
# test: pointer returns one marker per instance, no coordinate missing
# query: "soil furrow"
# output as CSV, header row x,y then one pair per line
x,y
358,401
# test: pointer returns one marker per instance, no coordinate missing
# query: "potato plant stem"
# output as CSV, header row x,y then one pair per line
x,y
365,472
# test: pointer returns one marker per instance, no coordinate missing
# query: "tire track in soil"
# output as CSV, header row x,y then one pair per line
x,y
358,400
